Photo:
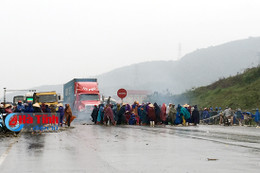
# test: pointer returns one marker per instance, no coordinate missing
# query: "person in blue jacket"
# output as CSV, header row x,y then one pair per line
x,y
47,109
100,114
29,108
205,115
61,112
20,107
257,117
132,120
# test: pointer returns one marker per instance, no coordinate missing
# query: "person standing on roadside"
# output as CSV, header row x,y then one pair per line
x,y
257,117
94,114
195,115
68,114
108,115
100,114
61,112
229,114
163,114
172,113
157,110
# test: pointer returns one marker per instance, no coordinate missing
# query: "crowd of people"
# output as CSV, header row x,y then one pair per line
x,y
65,114
143,114
154,114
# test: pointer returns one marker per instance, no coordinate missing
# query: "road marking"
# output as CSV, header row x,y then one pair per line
x,y
5,154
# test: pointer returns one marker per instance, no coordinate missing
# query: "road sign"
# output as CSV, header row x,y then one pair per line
x,y
121,93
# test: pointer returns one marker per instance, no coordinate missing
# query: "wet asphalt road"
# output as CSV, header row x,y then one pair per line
x,y
90,148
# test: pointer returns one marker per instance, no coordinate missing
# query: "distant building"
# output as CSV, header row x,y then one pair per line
x,y
136,95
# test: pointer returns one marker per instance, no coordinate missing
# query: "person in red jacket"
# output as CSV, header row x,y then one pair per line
x,y
109,115
151,114
163,114
8,108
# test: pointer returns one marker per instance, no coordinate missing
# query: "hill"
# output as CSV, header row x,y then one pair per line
x,y
240,91
198,68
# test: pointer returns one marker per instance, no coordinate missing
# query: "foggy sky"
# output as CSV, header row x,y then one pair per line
x,y
52,41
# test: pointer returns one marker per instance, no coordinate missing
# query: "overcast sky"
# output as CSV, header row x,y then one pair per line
x,y
52,41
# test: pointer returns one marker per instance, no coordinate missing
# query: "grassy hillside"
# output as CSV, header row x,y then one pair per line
x,y
240,91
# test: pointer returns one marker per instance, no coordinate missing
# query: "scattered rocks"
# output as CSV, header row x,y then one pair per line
x,y
210,159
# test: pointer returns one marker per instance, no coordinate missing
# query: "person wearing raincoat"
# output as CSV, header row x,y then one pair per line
x,y
172,114
115,110
195,115
8,108
20,107
61,113
108,115
132,119
184,114
257,117
205,115
239,116
143,115
157,110
68,114
47,109
163,114
100,114
121,115
29,108
94,114
151,114
135,107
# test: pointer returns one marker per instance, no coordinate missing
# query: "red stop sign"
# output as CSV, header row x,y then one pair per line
x,y
121,93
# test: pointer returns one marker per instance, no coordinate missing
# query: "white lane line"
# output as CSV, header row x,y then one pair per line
x,y
5,154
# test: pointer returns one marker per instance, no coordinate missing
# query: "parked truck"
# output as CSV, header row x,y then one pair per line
x,y
48,97
81,94
18,98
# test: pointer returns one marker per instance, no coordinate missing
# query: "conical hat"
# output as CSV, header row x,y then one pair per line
x,y
151,105
7,105
36,105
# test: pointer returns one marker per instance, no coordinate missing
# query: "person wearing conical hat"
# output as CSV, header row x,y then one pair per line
x,y
8,108
37,108
151,114
61,112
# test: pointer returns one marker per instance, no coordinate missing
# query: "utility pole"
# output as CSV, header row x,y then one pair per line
x,y
4,95
5,90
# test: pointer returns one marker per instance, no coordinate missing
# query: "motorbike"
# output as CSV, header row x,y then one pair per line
x,y
3,127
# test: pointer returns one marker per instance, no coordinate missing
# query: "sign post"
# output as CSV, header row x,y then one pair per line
x,y
122,93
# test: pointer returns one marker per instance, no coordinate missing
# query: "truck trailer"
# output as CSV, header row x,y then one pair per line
x,y
81,94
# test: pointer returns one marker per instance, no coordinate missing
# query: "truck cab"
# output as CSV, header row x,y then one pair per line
x,y
50,97
87,95
81,94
